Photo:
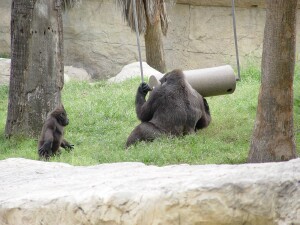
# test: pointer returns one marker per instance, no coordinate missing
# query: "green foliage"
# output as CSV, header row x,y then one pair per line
x,y
251,70
102,116
4,55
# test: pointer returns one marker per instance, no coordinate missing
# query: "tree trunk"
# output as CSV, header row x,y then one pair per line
x,y
36,77
273,135
155,54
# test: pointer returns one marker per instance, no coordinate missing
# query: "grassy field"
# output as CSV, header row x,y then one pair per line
x,y
102,116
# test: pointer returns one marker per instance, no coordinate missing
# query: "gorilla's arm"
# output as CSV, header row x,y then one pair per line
x,y
66,145
144,110
206,117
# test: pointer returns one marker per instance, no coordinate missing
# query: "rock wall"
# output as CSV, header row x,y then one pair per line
x,y
97,38
200,35
34,192
5,28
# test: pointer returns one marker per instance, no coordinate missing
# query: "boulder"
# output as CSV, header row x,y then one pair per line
x,y
35,192
133,70
78,74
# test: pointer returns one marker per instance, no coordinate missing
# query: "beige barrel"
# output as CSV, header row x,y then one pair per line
x,y
212,81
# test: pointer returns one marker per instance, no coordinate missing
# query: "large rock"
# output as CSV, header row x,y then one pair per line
x,y
34,192
78,74
133,70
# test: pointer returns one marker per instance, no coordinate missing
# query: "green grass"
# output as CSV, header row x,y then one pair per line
x,y
102,116
4,55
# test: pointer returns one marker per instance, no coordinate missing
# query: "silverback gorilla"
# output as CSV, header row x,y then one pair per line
x,y
174,108
52,134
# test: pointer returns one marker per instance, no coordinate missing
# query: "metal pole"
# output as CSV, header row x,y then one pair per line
x,y
235,40
138,38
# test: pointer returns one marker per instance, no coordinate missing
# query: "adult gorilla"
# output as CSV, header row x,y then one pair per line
x,y
174,109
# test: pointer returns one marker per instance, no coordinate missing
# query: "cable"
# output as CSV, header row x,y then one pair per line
x,y
138,38
235,41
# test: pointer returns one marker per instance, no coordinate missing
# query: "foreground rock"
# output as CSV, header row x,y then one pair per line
x,y
34,192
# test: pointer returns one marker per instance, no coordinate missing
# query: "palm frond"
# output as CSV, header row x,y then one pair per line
x,y
164,19
128,14
148,11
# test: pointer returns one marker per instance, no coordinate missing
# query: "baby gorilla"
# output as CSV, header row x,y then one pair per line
x,y
174,108
52,134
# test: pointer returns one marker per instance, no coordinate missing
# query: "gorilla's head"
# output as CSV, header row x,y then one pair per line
x,y
174,77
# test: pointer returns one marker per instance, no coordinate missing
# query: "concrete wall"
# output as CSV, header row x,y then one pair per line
x,y
199,35
5,27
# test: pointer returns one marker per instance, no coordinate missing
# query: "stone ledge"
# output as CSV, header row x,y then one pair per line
x,y
34,192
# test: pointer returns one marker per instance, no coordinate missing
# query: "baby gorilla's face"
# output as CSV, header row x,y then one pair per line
x,y
63,119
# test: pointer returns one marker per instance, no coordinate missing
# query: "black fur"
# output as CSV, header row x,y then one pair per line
x,y
52,134
174,108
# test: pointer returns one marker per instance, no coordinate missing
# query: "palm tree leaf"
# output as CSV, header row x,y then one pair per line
x,y
128,14
148,11
164,19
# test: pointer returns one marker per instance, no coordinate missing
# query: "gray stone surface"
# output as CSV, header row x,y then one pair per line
x,y
5,6
35,192
200,35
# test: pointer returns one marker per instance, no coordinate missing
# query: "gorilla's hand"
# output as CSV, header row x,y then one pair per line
x,y
69,147
144,88
66,145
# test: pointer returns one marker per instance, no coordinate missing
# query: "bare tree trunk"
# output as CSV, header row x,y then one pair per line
x,y
273,136
155,54
36,65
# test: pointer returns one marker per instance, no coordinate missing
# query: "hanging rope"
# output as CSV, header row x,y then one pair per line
x,y
138,38
235,41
